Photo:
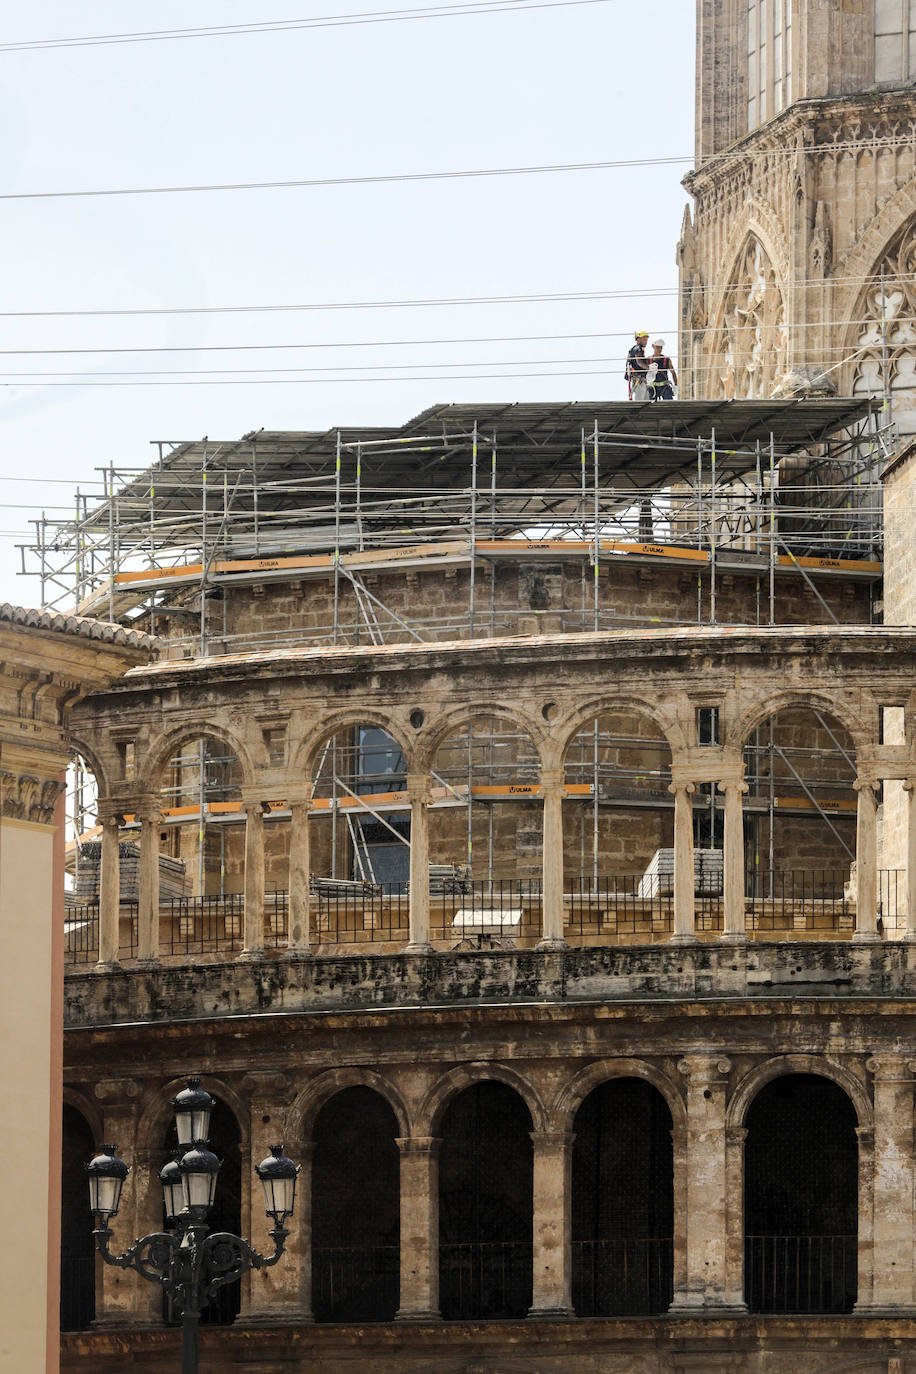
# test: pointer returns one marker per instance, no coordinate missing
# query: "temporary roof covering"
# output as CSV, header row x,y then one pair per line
x,y
539,445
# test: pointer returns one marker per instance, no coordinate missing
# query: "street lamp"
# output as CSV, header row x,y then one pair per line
x,y
190,1263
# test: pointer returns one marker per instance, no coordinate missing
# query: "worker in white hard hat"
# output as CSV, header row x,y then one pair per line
x,y
660,373
637,367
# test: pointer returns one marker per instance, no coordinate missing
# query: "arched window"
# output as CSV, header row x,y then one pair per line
x,y
77,1248
485,1204
800,1197
355,1209
622,1201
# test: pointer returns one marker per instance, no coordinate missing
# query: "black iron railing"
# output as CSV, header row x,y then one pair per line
x,y
622,1277
800,1273
77,1292
355,1284
486,1280
625,904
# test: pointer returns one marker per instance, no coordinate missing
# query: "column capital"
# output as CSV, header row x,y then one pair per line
x,y
419,1144
681,785
254,806
110,813
417,787
891,1068
735,1135
300,795
909,784
732,785
866,783
552,779
705,1068
552,1140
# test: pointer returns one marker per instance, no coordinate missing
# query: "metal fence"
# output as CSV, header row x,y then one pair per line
x,y
622,1277
500,913
77,1292
485,1279
800,1273
355,1285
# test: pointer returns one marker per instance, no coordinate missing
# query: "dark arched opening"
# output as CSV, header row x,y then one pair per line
x,y
801,1197
485,1204
355,1209
622,1201
77,1248
226,1212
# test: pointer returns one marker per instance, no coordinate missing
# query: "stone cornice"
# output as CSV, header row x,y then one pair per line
x,y
789,643
801,118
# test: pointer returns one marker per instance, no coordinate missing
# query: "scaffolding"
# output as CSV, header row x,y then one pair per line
x,y
768,491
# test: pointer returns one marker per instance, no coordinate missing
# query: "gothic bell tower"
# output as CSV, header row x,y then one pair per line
x,y
798,260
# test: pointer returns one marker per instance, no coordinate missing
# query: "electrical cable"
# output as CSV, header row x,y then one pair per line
x,y
645,293
313,183
322,21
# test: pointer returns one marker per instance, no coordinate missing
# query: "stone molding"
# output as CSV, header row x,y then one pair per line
x,y
25,797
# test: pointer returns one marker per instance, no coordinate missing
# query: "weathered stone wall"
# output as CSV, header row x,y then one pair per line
x,y
531,599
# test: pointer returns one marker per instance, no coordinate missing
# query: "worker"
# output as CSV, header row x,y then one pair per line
x,y
637,367
660,373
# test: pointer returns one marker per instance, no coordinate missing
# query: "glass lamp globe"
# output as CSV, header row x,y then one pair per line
x,y
278,1179
106,1173
192,1108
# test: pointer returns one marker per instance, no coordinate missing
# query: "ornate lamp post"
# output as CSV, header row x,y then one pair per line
x,y
190,1262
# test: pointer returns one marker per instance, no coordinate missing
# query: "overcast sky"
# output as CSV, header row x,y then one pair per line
x,y
578,83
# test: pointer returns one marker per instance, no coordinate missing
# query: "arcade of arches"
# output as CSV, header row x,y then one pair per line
x,y
478,1202
690,744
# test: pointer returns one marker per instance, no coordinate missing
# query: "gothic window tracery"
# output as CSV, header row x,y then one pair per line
x,y
753,341
891,345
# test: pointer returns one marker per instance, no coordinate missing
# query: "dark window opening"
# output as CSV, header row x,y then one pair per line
x,y
707,725
355,1210
801,1198
77,1248
485,1205
622,1201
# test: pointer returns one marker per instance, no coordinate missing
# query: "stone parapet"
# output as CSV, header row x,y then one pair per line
x,y
633,974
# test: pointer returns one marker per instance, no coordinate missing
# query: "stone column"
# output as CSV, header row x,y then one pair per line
x,y
909,791
299,937
707,1230
866,861
892,1251
418,793
734,928
419,1229
277,1294
552,860
148,907
119,1293
253,936
552,1288
684,884
109,891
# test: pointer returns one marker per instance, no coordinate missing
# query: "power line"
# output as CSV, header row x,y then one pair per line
x,y
322,21
321,381
367,343
414,343
644,293
338,305
383,178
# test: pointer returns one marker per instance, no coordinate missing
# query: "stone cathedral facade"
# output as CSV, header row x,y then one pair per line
x,y
798,257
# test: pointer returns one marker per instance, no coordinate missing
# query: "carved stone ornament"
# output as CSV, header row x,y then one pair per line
x,y
24,797
753,339
887,350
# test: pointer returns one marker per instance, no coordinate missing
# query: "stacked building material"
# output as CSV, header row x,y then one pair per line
x,y
658,879
86,888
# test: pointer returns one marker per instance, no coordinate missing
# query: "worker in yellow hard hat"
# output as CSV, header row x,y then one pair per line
x,y
637,367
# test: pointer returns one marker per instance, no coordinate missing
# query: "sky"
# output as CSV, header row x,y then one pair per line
x,y
604,80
